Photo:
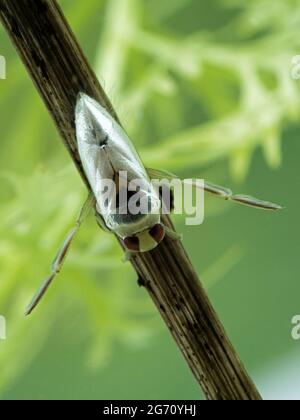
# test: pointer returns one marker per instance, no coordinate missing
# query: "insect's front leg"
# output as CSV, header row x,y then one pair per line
x,y
170,233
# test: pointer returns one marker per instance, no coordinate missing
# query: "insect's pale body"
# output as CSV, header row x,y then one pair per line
x,y
106,152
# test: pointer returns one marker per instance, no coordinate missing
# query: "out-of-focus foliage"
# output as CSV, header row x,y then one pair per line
x,y
194,83
245,64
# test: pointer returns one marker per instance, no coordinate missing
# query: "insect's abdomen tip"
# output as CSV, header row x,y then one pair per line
x,y
82,97
81,103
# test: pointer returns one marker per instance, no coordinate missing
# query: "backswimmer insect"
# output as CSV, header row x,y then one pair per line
x,y
106,154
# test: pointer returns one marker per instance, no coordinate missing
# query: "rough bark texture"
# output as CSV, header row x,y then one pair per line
x,y
59,69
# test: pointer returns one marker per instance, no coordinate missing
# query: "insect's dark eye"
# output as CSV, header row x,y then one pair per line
x,y
132,243
157,232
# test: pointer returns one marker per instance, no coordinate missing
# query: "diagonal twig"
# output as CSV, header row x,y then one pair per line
x,y
60,70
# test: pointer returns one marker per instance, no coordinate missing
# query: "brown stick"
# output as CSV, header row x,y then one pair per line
x,y
60,71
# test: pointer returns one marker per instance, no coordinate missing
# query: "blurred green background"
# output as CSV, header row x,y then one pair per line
x,y
204,89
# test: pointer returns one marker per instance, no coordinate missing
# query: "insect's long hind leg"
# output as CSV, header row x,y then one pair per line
x,y
216,190
62,253
227,194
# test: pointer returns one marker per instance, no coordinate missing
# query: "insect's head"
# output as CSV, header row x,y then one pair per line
x,y
146,240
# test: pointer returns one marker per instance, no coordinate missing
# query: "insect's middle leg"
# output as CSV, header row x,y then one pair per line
x,y
170,233
167,199
101,222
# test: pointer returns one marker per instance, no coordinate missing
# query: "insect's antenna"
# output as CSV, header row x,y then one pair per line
x,y
62,254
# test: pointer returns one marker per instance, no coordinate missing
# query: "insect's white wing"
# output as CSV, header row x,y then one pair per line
x,y
90,136
96,127
105,150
